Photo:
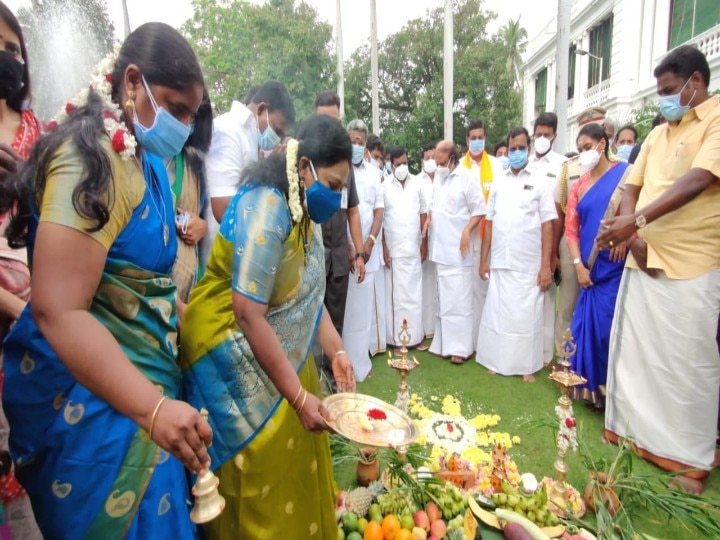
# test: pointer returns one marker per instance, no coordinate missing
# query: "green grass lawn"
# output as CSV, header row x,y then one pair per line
x,y
517,403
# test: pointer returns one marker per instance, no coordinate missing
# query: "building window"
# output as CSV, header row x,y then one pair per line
x,y
540,91
600,47
689,18
571,71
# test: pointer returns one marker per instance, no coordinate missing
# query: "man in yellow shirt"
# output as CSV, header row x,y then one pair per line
x,y
664,367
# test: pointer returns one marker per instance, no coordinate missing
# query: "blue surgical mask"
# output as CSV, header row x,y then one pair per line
x,y
322,202
268,139
375,163
477,146
358,153
518,158
505,162
623,151
388,168
167,135
671,108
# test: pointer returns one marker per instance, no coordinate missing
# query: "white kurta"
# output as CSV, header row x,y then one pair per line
x,y
510,336
479,285
404,206
234,147
664,367
548,166
360,305
455,200
429,274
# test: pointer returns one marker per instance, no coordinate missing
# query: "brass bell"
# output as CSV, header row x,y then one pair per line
x,y
209,504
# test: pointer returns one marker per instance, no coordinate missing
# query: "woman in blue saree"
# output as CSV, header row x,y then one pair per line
x,y
98,434
247,336
595,196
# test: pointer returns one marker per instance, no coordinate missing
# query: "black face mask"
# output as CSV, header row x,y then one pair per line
x,y
11,75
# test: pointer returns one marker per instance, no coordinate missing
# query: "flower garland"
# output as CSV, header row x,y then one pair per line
x,y
296,209
567,435
101,84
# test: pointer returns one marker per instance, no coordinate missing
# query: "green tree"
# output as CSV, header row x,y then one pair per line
x,y
65,39
241,45
410,66
514,38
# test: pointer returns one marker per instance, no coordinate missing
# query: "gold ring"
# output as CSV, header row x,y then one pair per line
x,y
610,243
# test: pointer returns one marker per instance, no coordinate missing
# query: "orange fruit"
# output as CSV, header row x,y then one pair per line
x,y
404,534
373,531
390,527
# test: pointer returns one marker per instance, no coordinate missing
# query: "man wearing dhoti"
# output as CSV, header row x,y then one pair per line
x,y
484,168
457,207
359,305
664,367
548,163
515,257
403,248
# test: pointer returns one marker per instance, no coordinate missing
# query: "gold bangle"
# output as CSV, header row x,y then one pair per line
x,y
338,354
297,396
372,239
154,415
299,410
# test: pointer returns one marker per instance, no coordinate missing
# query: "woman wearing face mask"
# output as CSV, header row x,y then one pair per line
x,y
253,318
19,130
594,197
97,432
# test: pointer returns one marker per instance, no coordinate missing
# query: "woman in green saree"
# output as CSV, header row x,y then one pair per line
x,y
247,337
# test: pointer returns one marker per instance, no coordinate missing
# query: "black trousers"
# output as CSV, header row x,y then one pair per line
x,y
336,287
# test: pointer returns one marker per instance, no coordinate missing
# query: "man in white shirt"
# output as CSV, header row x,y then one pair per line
x,y
547,163
516,259
237,136
360,303
484,168
403,249
457,206
429,275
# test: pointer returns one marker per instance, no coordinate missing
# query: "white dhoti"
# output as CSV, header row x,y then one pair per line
x,y
664,369
549,323
378,340
480,290
453,325
403,298
357,326
510,340
429,298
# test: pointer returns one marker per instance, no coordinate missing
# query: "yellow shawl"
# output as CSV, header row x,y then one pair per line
x,y
486,178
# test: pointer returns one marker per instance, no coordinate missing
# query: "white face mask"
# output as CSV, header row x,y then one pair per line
x,y
401,172
429,166
542,145
443,171
590,158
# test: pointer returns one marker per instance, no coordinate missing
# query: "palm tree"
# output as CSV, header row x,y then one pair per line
x,y
515,40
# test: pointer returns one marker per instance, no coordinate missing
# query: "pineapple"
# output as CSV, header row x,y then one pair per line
x,y
456,534
359,499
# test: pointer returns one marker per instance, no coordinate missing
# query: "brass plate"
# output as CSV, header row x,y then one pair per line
x,y
489,518
349,417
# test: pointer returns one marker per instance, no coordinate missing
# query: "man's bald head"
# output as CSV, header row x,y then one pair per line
x,y
446,154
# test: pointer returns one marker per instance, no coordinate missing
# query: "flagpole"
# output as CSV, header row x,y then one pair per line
x,y
374,69
448,72
339,50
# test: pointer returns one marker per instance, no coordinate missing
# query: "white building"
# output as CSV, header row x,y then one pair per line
x,y
631,37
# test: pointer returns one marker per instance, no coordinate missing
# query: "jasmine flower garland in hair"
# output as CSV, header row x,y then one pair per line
x,y
101,84
296,209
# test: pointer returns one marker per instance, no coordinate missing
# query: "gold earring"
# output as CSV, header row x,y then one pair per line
x,y
130,104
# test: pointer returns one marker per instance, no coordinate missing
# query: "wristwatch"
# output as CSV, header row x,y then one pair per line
x,y
577,261
640,221
358,255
